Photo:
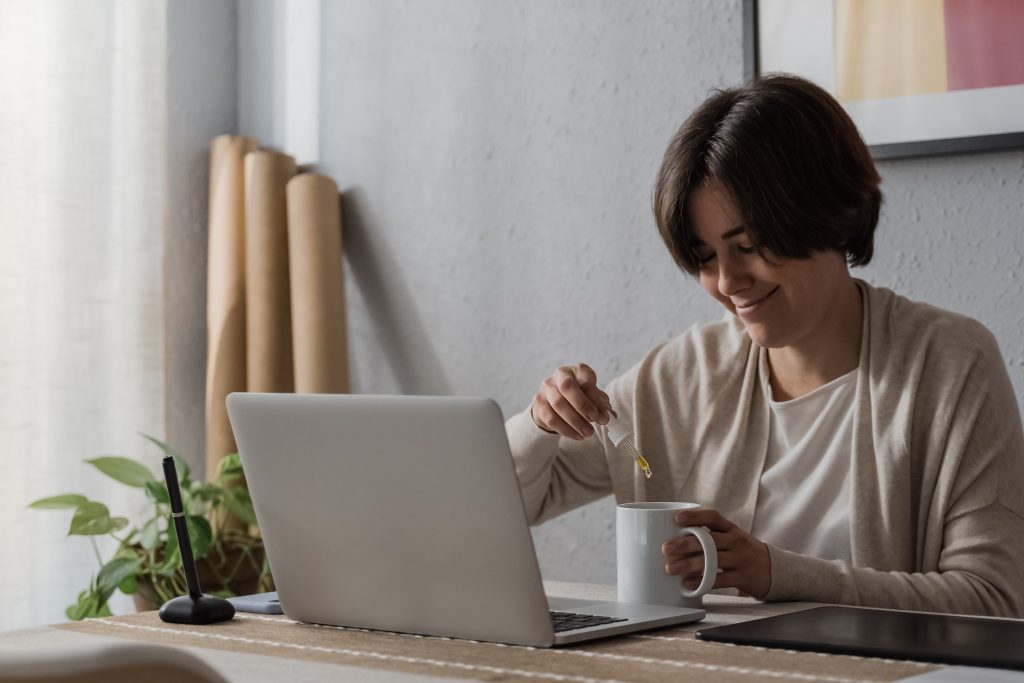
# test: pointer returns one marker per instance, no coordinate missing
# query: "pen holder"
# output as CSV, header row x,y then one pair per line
x,y
204,609
196,607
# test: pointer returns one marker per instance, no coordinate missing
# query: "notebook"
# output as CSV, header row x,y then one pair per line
x,y
403,513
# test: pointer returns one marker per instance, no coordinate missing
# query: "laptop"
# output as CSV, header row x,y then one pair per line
x,y
403,513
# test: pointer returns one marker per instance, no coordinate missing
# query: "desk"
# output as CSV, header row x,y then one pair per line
x,y
273,648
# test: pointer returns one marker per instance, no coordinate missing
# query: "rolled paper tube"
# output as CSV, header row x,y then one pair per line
x,y
317,285
225,302
267,302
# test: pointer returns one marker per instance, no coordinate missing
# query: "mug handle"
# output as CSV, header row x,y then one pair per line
x,y
707,544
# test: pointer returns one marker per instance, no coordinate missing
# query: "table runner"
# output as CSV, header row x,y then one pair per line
x,y
665,654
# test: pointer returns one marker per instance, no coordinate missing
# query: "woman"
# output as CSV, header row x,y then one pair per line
x,y
848,445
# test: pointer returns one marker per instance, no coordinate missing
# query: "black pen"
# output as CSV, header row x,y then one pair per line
x,y
194,608
188,563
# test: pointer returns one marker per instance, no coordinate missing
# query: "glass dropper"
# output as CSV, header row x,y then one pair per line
x,y
620,434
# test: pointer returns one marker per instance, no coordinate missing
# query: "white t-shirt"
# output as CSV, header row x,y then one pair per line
x,y
803,500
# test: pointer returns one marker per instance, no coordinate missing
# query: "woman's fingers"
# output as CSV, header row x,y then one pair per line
x,y
546,418
563,406
693,565
570,383
744,561
709,517
728,578
725,579
600,406
677,548
569,400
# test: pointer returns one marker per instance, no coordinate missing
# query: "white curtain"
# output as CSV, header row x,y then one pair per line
x,y
82,136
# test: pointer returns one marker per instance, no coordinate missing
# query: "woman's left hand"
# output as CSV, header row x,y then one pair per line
x,y
743,561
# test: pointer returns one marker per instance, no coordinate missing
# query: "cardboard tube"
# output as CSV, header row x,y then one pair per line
x,y
225,303
268,306
317,285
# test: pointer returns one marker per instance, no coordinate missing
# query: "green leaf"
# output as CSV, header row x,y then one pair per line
x,y
239,503
113,573
91,519
149,536
181,467
161,445
62,502
200,534
77,611
172,556
203,498
189,505
157,491
124,470
126,551
179,463
229,468
208,493
128,585
88,605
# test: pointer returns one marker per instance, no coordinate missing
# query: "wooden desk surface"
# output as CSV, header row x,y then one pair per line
x,y
257,647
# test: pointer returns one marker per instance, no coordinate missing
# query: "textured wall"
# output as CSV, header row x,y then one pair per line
x,y
202,77
261,73
497,160
952,234
279,75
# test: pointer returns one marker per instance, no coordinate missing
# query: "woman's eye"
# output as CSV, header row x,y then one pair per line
x,y
704,259
747,250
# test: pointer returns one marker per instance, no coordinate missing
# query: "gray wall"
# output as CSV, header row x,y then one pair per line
x,y
202,77
496,160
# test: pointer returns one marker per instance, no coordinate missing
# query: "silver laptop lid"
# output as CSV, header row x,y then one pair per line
x,y
398,513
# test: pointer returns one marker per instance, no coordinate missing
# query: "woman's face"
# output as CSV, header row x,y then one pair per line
x,y
781,302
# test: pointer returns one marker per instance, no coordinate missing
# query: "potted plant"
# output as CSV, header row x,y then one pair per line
x,y
147,562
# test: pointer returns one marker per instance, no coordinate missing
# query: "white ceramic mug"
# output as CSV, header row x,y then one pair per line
x,y
641,529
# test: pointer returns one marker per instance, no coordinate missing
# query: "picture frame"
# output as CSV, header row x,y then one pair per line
x,y
971,114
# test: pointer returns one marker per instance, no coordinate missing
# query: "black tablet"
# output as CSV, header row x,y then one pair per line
x,y
943,638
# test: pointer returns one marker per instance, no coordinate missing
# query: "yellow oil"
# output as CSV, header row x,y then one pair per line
x,y
640,461
643,465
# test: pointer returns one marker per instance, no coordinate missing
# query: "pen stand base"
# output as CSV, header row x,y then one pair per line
x,y
206,609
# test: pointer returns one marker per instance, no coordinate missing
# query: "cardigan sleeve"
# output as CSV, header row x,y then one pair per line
x,y
978,575
980,565
557,474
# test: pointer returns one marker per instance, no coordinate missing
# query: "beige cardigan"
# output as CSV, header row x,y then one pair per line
x,y
937,491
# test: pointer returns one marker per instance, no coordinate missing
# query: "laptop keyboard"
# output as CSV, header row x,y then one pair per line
x,y
568,621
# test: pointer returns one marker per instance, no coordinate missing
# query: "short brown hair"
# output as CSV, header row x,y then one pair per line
x,y
792,160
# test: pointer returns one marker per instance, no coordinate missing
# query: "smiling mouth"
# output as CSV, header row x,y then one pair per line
x,y
756,304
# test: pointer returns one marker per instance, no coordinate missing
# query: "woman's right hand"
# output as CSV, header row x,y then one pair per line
x,y
569,400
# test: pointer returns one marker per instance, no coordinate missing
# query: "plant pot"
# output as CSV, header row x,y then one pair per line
x,y
245,581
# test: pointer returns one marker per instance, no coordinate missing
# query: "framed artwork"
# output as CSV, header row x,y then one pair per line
x,y
918,77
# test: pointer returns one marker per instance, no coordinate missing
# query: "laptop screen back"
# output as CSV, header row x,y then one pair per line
x,y
397,513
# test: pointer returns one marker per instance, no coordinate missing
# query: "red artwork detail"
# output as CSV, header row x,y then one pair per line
x,y
984,43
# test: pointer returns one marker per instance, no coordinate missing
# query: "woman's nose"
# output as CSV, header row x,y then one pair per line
x,y
732,277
